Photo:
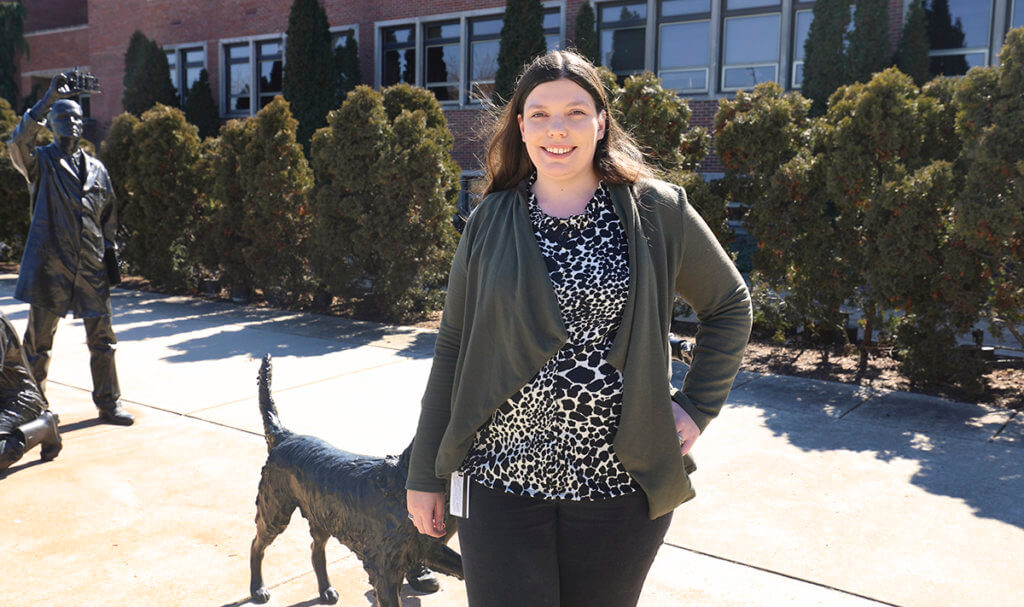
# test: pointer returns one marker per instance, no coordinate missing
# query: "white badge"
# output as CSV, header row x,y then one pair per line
x,y
459,504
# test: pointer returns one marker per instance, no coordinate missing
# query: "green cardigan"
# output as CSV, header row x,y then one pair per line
x,y
501,323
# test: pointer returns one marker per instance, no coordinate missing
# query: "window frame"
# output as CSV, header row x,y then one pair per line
x,y
179,50
442,42
974,50
470,97
798,7
252,43
418,25
701,17
780,56
643,24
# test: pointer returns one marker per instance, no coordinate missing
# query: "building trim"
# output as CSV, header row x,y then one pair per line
x,y
56,30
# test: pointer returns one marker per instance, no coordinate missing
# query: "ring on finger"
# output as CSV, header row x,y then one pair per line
x,y
411,517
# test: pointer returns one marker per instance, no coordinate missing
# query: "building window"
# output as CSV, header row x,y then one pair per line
x,y
238,78
253,74
553,28
684,31
750,44
399,53
958,31
484,37
186,63
441,42
1017,14
621,30
801,27
340,37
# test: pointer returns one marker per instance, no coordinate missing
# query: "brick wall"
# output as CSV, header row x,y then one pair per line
x,y
52,14
171,22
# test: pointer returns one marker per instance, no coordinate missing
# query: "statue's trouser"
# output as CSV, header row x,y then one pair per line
x,y
99,335
42,430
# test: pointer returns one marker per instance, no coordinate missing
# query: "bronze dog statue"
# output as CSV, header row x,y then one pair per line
x,y
360,500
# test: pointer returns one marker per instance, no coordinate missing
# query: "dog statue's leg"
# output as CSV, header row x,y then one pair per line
x,y
273,512
387,587
328,594
445,560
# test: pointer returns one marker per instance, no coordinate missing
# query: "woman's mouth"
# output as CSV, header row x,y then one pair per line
x,y
558,151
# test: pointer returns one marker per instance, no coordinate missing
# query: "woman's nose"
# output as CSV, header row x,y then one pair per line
x,y
556,126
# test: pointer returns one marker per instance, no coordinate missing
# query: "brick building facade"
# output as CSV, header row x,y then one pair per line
x,y
705,49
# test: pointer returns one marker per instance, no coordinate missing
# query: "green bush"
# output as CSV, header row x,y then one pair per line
x,y
309,80
14,194
825,67
224,236
116,154
385,191
585,33
990,213
522,39
147,76
868,49
163,180
912,52
200,108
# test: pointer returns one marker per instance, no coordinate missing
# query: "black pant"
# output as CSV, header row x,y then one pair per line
x,y
521,551
99,335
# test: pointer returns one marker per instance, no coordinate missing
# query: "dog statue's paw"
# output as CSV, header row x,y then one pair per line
x,y
329,596
260,595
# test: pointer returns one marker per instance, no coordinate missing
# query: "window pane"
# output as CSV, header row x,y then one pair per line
x,y
955,65
238,51
191,76
553,41
443,30
737,4
747,77
623,50
803,26
341,38
685,80
1018,14
628,12
443,63
239,79
399,66
398,35
270,76
172,58
486,27
240,104
197,56
445,93
269,49
683,44
798,73
481,91
670,8
752,39
958,23
483,60
552,20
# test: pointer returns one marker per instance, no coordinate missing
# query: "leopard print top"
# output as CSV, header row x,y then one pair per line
x,y
553,439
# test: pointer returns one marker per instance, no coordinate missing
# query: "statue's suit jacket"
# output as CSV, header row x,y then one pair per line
x,y
73,221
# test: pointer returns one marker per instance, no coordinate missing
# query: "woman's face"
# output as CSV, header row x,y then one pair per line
x,y
561,127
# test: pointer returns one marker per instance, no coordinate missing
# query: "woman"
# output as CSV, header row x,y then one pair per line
x,y
550,388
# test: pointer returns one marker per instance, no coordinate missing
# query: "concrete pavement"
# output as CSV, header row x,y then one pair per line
x,y
809,493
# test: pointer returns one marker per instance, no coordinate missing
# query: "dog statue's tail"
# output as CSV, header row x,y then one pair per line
x,y
272,427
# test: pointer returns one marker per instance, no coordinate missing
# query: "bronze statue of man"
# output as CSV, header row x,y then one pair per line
x,y
73,225
25,420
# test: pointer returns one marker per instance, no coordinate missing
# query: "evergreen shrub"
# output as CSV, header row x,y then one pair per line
x,y
522,39
310,84
385,189
14,194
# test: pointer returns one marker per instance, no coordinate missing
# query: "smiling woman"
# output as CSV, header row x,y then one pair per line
x,y
548,400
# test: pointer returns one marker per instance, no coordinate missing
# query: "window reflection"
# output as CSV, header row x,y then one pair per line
x,y
399,60
622,37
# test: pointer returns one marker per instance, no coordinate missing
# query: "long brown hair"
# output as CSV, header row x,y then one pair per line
x,y
617,158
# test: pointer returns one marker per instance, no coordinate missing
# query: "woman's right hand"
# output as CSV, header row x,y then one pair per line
x,y
426,511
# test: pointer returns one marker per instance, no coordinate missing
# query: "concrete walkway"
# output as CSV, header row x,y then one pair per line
x,y
809,493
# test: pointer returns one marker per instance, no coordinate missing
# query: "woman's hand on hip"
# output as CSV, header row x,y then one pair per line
x,y
686,428
426,510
